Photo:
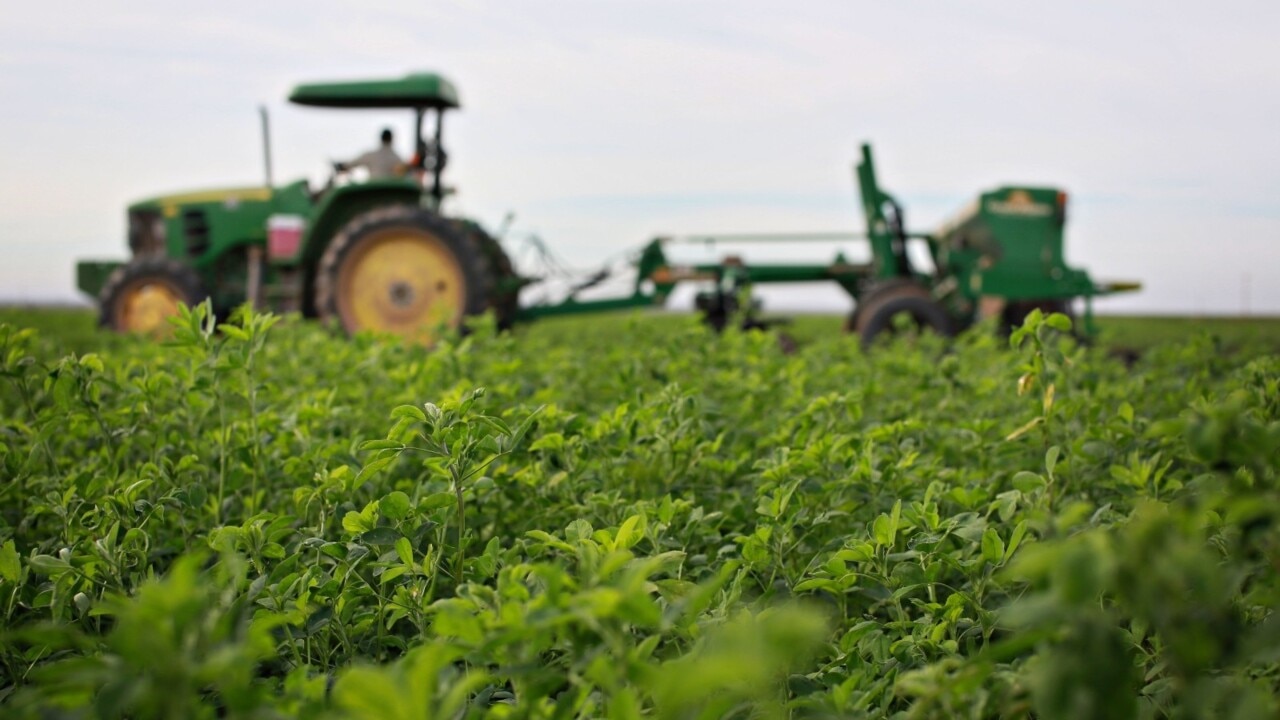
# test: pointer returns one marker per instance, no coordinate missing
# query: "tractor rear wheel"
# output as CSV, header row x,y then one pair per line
x,y
879,312
505,297
141,296
402,270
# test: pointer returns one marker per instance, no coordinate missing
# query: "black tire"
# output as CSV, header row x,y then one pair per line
x,y
880,287
504,303
884,303
333,286
126,281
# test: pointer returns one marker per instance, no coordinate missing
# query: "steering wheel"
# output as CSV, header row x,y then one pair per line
x,y
337,171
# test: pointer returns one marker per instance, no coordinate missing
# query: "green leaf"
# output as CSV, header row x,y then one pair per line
x,y
639,609
49,565
355,523
367,692
411,412
856,554
1125,412
435,501
370,469
1058,321
525,425
93,362
10,563
885,528
1015,539
578,530
394,506
1027,482
548,539
405,551
319,619
992,546
380,536
816,584
550,441
1051,459
336,550
631,532
1029,324
433,411
496,424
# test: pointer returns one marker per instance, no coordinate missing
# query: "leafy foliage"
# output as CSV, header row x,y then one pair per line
x,y
626,519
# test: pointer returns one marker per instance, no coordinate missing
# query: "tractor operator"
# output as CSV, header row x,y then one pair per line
x,y
382,163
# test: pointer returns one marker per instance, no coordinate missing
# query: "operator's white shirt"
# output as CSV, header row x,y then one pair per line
x,y
381,163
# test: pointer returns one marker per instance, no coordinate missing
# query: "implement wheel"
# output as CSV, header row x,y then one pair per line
x,y
402,270
141,296
886,303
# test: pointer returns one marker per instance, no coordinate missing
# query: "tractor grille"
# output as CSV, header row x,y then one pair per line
x,y
195,229
146,233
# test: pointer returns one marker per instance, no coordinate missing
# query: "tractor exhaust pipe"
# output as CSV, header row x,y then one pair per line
x,y
253,277
266,142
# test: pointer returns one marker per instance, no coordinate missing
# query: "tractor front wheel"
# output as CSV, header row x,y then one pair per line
x,y
402,270
885,305
141,296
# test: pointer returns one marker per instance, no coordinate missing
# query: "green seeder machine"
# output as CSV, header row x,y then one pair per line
x,y
382,256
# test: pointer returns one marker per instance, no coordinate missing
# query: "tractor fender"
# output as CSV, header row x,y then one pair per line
x,y
338,207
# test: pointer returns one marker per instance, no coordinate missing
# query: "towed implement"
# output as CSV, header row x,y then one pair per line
x,y
381,255
1001,257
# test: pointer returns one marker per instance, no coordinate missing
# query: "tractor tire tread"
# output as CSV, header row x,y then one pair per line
x,y
180,274
505,305
878,289
892,297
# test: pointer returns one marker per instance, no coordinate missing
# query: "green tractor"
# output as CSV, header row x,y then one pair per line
x,y
375,255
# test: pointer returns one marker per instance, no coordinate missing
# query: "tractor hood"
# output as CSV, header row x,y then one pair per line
x,y
206,225
419,90
228,197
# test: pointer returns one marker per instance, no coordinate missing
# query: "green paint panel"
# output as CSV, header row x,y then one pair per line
x,y
1009,243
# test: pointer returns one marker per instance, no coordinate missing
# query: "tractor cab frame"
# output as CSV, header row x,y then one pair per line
x,y
426,94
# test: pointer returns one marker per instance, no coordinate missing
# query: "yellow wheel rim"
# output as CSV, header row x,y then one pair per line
x,y
146,306
404,282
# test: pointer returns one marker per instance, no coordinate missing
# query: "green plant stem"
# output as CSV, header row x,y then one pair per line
x,y
462,530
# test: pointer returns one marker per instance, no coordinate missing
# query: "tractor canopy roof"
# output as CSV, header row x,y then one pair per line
x,y
417,90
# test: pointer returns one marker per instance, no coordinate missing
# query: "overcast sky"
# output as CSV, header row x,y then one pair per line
x,y
603,123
